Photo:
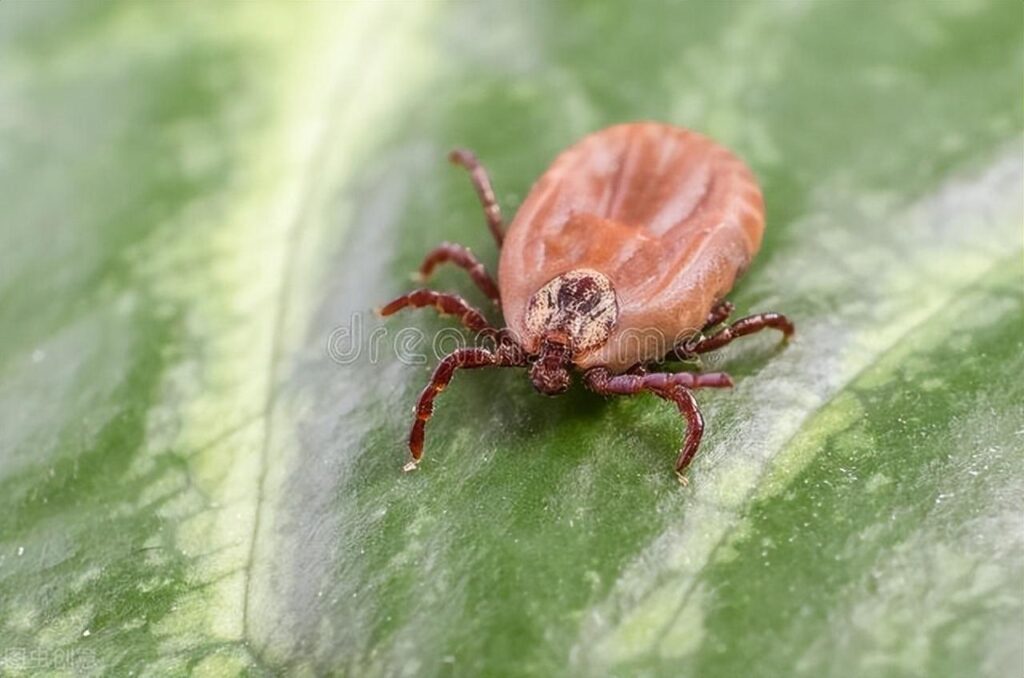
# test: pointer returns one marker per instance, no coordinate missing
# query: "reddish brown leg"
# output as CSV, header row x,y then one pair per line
x,y
463,258
719,314
482,184
670,386
683,351
464,358
598,379
743,327
687,405
446,304
690,349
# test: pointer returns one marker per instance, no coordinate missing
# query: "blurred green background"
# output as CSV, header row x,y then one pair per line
x,y
194,196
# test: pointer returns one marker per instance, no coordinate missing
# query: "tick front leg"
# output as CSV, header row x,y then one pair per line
x,y
484,191
463,258
446,304
743,327
687,405
674,386
463,358
599,380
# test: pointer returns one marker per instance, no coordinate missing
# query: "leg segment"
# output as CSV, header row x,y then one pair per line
x,y
670,386
690,349
683,351
482,184
446,304
598,379
464,358
719,314
463,258
687,404
743,327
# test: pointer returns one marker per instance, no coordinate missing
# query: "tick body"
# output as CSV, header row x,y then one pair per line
x,y
618,260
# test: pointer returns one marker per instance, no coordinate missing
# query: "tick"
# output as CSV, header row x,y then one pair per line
x,y
619,260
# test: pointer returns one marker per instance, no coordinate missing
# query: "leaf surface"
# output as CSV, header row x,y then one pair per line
x,y
201,205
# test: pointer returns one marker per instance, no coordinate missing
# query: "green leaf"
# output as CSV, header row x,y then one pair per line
x,y
199,199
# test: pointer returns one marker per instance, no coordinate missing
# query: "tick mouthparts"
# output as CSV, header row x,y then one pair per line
x,y
550,380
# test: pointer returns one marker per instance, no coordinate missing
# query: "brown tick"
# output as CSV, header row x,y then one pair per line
x,y
619,258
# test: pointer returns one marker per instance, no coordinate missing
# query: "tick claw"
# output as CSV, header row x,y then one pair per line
x,y
683,480
410,465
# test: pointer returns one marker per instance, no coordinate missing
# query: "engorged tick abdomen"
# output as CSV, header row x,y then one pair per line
x,y
671,218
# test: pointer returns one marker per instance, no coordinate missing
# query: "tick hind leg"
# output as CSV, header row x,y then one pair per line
x,y
718,315
741,328
446,304
463,258
674,386
484,190
464,358
702,343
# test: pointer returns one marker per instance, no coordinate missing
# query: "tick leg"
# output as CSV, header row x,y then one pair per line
x,y
687,404
743,327
446,304
719,314
674,386
463,258
464,358
683,351
482,184
598,379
